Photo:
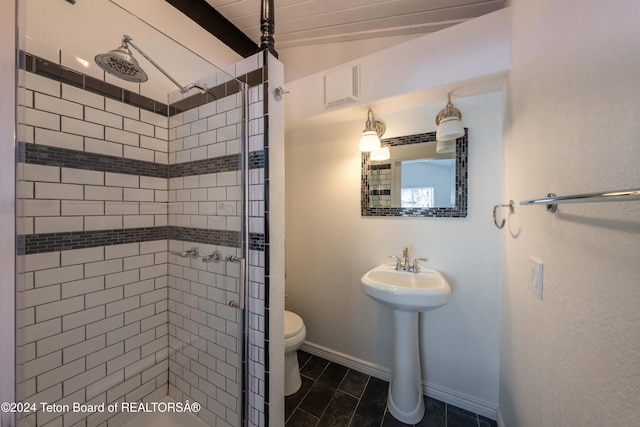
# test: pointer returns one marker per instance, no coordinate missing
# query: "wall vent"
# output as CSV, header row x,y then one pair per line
x,y
342,87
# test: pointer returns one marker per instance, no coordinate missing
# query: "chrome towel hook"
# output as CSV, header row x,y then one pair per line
x,y
495,215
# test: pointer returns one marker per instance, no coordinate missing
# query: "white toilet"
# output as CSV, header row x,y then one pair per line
x,y
294,335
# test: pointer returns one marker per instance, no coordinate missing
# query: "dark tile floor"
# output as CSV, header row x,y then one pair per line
x,y
333,396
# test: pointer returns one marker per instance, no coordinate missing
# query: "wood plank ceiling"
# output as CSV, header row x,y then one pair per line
x,y
306,22
303,22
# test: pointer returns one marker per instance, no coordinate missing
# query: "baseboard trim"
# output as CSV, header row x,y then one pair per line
x,y
452,397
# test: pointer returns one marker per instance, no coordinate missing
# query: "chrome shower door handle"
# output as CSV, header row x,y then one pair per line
x,y
240,303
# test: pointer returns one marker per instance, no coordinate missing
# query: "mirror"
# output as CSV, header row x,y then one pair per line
x,y
416,180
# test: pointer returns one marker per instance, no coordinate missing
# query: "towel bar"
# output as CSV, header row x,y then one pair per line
x,y
552,200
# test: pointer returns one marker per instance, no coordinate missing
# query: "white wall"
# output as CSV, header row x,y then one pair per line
x,y
302,61
570,126
330,246
466,59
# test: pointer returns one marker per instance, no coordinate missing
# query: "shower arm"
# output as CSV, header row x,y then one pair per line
x,y
126,41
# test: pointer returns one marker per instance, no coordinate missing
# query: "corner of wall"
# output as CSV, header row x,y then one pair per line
x,y
275,137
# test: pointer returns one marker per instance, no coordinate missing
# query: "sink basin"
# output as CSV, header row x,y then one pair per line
x,y
406,294
406,291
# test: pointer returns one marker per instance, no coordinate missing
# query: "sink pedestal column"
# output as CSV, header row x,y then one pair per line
x,y
405,399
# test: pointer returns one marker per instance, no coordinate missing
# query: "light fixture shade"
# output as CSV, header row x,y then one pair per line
x,y
371,134
369,141
449,122
449,128
443,147
381,154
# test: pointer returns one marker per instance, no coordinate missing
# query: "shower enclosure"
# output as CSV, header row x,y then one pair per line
x,y
141,243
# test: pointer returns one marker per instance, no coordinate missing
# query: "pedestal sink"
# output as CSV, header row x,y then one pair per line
x,y
406,294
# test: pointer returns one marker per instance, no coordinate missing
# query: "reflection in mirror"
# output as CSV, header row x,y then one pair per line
x,y
416,180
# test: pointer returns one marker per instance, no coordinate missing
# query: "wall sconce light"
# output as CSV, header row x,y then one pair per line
x,y
449,122
381,154
371,134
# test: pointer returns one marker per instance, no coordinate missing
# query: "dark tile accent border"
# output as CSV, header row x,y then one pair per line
x,y
45,68
205,166
56,72
206,236
256,160
40,66
460,209
231,87
253,78
63,157
256,241
198,99
52,242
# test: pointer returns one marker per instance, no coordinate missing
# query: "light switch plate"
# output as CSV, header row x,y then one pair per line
x,y
536,278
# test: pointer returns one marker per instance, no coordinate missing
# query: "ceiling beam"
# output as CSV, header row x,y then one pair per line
x,y
203,14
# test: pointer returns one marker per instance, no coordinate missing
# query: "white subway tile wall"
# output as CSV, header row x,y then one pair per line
x,y
204,333
80,323
89,321
132,321
257,334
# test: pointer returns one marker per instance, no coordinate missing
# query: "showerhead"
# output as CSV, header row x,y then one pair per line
x,y
121,63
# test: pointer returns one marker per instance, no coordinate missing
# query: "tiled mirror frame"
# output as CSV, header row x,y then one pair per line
x,y
460,208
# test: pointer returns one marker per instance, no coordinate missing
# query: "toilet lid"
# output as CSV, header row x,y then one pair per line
x,y
292,324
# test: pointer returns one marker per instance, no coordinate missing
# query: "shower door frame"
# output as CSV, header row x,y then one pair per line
x,y
237,303
8,113
243,280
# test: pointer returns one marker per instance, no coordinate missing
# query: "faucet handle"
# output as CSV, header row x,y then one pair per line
x,y
191,253
398,262
415,263
215,256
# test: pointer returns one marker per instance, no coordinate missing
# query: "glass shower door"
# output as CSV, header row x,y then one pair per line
x,y
207,213
115,182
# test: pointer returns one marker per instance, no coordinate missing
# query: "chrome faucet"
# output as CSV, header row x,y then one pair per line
x,y
191,253
404,265
405,259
